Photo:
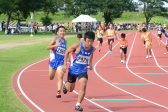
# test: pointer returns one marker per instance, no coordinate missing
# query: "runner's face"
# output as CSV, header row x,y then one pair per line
x,y
61,32
89,42
99,28
122,39
111,26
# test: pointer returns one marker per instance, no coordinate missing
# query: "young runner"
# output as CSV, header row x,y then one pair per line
x,y
57,48
84,51
166,36
139,28
159,34
100,33
148,44
111,34
142,34
123,48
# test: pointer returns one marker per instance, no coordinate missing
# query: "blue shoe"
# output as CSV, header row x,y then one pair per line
x,y
111,52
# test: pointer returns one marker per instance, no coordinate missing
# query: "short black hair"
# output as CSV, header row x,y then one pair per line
x,y
89,35
163,30
123,35
59,28
79,35
111,23
144,29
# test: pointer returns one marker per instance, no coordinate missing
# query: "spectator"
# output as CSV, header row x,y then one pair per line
x,y
6,31
76,27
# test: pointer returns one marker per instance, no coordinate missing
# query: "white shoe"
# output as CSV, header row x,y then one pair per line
x,y
147,56
150,56
121,61
124,61
159,44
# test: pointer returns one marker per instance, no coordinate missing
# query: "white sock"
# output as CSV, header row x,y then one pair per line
x,y
77,104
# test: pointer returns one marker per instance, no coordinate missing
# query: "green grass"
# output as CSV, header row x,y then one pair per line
x,y
26,36
11,61
126,16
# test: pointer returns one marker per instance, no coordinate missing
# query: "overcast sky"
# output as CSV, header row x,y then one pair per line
x,y
166,4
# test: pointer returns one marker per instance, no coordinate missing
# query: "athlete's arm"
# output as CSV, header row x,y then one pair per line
x,y
53,44
66,56
91,58
126,43
116,36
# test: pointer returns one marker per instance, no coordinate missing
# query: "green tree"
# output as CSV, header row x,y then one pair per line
x,y
50,6
113,9
8,7
152,8
78,7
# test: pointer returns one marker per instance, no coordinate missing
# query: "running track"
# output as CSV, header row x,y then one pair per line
x,y
140,85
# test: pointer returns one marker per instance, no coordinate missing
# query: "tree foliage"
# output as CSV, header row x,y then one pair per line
x,y
152,8
111,9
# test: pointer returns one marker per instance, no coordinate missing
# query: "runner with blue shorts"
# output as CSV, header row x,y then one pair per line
x,y
57,48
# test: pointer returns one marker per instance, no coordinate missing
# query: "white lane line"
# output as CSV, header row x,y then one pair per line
x,y
120,88
156,60
35,105
136,74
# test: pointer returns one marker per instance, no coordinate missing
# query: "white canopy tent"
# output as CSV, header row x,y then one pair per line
x,y
84,18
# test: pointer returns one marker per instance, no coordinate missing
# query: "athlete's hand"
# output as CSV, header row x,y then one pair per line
x,y
90,67
64,67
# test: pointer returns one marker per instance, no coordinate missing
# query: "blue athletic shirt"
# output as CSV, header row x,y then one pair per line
x,y
159,30
166,35
80,62
60,50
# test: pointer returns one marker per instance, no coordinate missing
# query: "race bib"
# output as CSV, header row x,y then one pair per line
x,y
100,35
60,51
159,32
82,59
122,46
111,36
147,40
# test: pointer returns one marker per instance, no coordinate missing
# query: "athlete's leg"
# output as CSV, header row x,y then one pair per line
x,y
111,45
150,52
51,73
82,91
70,84
99,44
167,47
60,75
159,38
121,55
146,46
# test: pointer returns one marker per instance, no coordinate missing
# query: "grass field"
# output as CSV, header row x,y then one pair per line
x,y
13,59
26,36
126,16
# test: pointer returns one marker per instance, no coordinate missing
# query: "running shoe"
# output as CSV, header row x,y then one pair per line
x,y
147,56
78,108
159,44
121,61
99,50
111,52
124,61
150,56
64,88
58,94
144,45
166,53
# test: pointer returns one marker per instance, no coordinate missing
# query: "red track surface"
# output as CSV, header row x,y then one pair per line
x,y
35,84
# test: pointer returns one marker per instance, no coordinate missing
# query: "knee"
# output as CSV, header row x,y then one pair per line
x,y
51,78
83,87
